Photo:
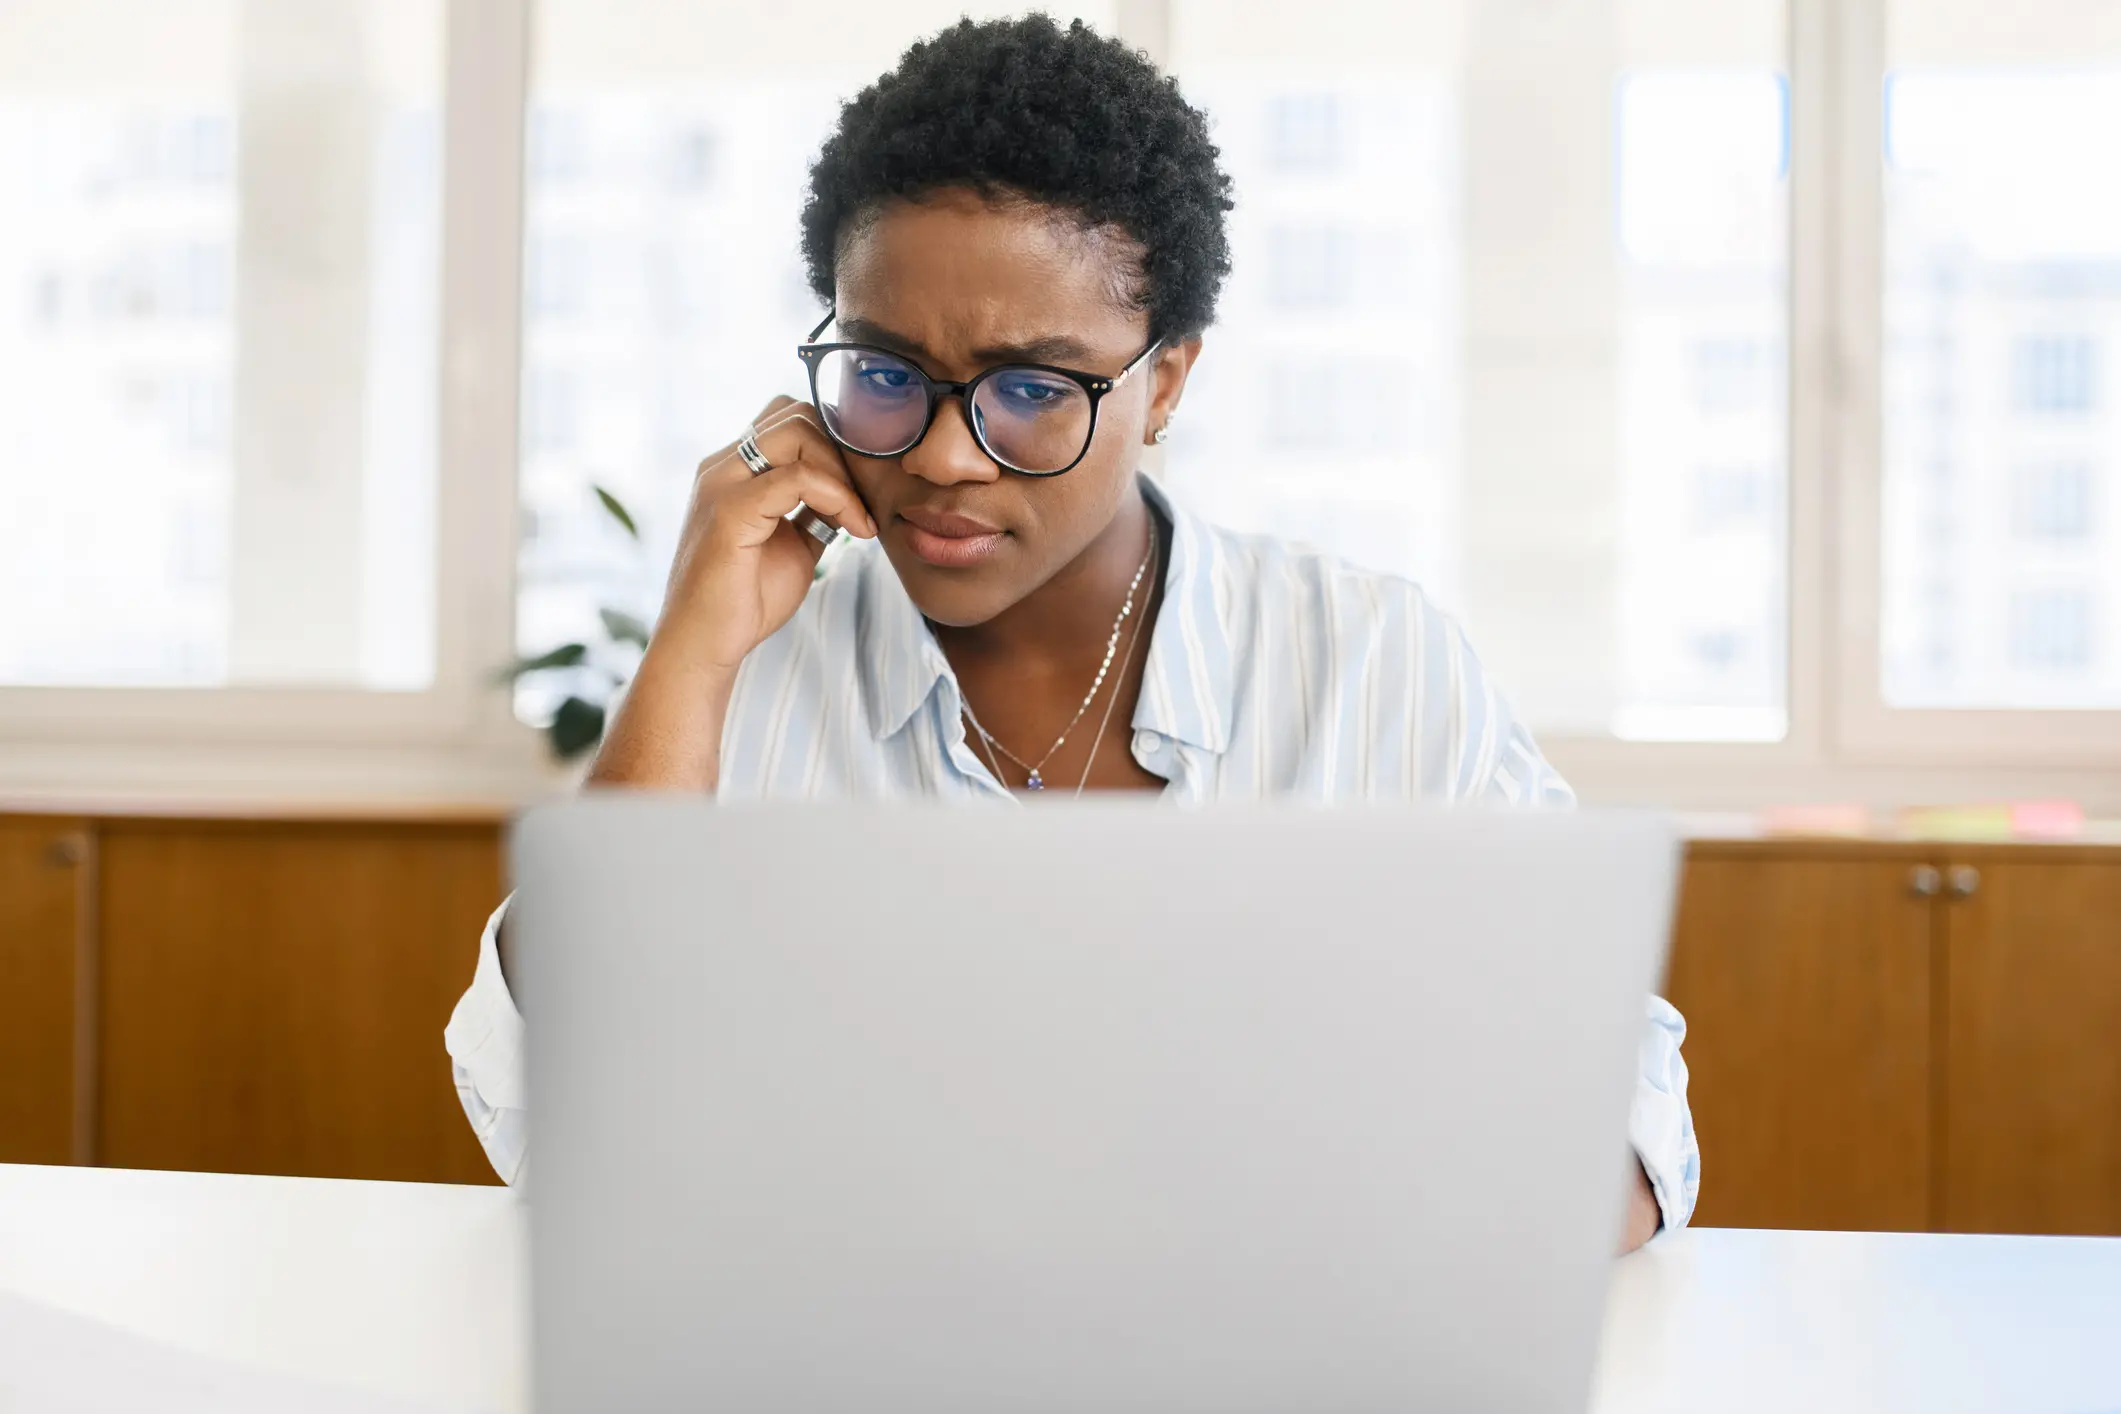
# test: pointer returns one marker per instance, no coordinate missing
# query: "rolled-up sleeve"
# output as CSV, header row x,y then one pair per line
x,y
485,1041
1660,1126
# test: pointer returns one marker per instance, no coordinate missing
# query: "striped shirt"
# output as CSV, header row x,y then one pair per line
x,y
1273,670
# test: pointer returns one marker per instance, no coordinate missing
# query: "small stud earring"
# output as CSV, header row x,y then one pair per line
x,y
1161,435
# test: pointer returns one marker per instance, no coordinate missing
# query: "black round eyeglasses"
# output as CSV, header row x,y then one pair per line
x,y
1031,418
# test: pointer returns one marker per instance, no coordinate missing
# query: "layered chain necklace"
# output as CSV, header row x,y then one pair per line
x,y
1035,780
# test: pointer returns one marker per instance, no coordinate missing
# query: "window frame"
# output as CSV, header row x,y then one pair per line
x,y
460,736
459,733
1869,731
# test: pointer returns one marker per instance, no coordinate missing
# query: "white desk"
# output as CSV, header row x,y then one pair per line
x,y
418,1291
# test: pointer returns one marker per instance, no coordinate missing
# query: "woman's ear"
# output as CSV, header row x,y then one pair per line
x,y
1174,362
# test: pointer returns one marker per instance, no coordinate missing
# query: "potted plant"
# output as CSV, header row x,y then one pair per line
x,y
598,668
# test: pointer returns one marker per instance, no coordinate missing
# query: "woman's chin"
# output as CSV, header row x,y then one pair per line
x,y
956,597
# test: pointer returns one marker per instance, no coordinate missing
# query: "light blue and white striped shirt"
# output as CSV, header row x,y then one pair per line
x,y
1273,670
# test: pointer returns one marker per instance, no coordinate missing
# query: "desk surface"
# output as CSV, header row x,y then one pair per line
x,y
418,1290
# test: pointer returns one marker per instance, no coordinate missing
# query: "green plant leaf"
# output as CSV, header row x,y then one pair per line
x,y
624,627
567,655
616,509
576,727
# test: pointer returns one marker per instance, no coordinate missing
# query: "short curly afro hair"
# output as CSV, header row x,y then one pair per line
x,y
1023,109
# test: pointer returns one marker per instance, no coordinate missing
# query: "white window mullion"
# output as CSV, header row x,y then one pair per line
x,y
489,68
1817,101
1856,35
1146,24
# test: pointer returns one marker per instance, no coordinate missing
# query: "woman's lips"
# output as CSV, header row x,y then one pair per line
x,y
950,541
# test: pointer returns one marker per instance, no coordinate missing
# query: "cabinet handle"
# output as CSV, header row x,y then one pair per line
x,y
1965,881
66,852
1923,881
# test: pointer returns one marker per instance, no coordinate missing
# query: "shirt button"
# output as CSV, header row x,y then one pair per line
x,y
1147,743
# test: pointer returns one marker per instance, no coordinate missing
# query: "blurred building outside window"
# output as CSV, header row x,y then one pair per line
x,y
2002,317
1510,316
219,304
1573,312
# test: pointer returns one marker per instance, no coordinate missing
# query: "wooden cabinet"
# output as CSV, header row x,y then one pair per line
x,y
1879,1035
1904,1037
45,868
273,995
2032,1025
1806,985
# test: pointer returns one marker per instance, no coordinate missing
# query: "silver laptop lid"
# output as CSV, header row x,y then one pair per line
x,y
1085,1108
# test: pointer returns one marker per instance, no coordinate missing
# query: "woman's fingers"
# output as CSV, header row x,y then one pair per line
x,y
757,508
795,438
723,464
792,412
742,568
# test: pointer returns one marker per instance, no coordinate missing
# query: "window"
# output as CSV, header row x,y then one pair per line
x,y
2052,501
1556,434
1341,404
1720,651
1730,498
558,279
1324,404
693,161
2051,630
1730,375
2054,375
1304,133
1512,315
2002,299
1312,268
218,329
551,411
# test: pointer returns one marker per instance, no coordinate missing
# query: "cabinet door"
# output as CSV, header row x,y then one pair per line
x,y
274,996
1805,981
42,863
2032,1127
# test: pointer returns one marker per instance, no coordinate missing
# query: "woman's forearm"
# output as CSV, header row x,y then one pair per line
x,y
667,731
1644,1216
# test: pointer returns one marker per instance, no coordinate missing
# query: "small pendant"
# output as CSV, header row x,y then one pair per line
x,y
1035,783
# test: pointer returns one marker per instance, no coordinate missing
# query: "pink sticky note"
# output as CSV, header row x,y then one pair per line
x,y
2047,819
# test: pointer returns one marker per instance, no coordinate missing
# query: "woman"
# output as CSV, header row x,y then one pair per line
x,y
1020,233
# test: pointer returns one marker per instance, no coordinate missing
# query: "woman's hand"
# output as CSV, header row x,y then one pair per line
x,y
740,573
1644,1216
742,568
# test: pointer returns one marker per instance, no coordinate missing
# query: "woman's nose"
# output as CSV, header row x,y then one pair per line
x,y
949,453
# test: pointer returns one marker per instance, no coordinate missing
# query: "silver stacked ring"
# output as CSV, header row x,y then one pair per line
x,y
813,524
747,448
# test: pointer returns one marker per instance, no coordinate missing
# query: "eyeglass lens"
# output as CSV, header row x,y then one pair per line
x,y
1028,419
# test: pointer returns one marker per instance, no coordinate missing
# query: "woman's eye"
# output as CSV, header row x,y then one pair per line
x,y
1032,392
885,378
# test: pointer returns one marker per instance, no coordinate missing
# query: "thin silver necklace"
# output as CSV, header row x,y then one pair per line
x,y
1111,702
1090,762
1126,611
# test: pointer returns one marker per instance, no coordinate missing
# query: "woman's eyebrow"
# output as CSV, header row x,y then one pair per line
x,y
861,331
1054,348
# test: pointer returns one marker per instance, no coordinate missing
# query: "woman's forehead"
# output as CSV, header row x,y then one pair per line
x,y
956,272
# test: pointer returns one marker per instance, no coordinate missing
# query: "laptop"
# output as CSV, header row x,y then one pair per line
x,y
1082,1107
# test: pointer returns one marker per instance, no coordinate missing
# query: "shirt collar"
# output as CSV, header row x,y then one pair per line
x,y
900,660
1187,687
